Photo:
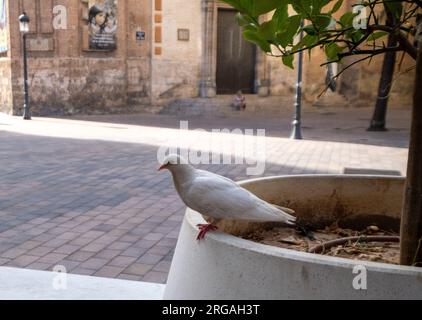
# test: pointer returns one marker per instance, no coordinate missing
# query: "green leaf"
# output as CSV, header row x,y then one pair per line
x,y
321,22
293,25
346,20
302,7
267,30
332,50
252,36
309,40
250,27
281,15
247,6
357,35
336,7
259,7
242,19
287,33
288,60
310,29
377,35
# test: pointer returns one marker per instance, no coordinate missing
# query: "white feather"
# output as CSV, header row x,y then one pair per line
x,y
221,198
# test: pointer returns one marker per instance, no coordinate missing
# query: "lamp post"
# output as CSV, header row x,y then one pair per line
x,y
297,119
24,29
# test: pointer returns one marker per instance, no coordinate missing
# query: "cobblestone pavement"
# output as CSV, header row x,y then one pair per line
x,y
85,193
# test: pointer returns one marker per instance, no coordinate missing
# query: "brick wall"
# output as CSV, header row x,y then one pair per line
x,y
6,101
66,77
71,85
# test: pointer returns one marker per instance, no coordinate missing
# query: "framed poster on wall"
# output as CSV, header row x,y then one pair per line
x,y
3,27
102,24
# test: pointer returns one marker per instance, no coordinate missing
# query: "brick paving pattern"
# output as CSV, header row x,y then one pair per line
x,y
86,195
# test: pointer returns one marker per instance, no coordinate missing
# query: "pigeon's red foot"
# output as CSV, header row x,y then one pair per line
x,y
203,229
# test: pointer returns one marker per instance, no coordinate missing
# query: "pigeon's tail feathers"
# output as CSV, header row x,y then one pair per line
x,y
291,221
287,214
288,219
286,210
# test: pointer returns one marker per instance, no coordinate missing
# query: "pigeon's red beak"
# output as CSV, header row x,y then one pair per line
x,y
162,167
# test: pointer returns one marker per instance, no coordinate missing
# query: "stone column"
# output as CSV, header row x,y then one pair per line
x,y
262,74
349,81
263,70
207,85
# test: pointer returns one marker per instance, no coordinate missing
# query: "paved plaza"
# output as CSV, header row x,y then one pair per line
x,y
85,192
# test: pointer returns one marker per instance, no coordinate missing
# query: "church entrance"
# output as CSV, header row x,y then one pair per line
x,y
235,56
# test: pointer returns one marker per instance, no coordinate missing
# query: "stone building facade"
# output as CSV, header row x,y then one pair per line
x,y
163,50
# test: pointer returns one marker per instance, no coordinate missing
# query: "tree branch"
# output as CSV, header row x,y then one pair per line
x,y
407,46
372,52
404,42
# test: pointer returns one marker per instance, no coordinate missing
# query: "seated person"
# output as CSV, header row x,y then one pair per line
x,y
239,101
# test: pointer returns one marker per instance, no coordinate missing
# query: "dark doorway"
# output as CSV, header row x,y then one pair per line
x,y
235,56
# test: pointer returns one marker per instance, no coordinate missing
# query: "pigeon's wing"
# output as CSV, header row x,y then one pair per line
x,y
222,198
219,198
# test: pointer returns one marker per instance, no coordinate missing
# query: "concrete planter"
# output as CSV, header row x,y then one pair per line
x,y
224,266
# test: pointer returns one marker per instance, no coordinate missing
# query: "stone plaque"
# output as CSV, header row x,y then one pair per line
x,y
183,34
40,44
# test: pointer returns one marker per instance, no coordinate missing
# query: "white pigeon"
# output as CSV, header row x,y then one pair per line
x,y
220,198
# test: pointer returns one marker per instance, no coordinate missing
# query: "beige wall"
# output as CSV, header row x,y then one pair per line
x,y
402,88
175,72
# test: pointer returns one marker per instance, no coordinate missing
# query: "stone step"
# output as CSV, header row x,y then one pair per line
x,y
222,106
332,100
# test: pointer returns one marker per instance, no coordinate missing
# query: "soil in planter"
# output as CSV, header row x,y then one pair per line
x,y
387,252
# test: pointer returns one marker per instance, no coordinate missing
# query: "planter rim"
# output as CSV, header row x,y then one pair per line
x,y
319,175
193,218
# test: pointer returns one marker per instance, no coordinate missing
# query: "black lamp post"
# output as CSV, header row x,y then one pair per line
x,y
297,119
24,28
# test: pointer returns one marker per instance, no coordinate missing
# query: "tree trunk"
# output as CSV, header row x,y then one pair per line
x,y
380,113
411,223
379,117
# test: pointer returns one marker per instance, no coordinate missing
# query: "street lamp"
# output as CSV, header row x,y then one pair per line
x,y
24,28
297,119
